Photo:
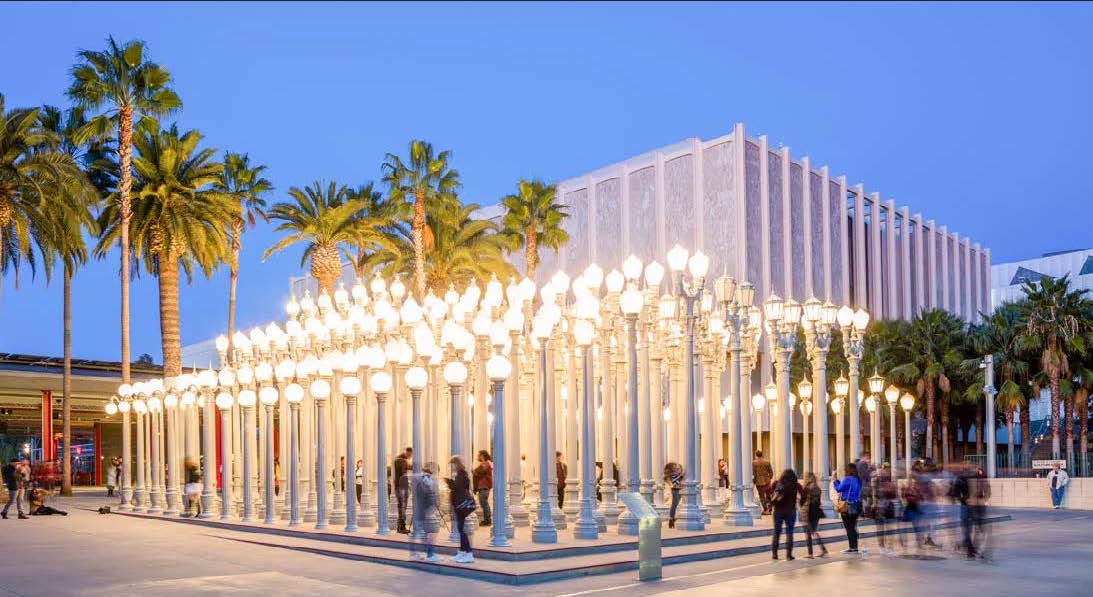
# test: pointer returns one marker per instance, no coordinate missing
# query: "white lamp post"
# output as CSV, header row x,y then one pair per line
x,y
784,317
876,388
804,390
586,527
140,495
268,396
891,396
224,402
735,301
842,386
498,369
320,391
416,378
852,324
544,530
455,374
381,384
294,394
630,302
125,391
206,381
907,401
350,386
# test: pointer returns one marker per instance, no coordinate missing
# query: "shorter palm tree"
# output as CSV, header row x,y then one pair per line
x,y
326,221
533,218
243,184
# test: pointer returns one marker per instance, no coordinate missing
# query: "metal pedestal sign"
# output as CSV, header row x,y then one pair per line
x,y
649,567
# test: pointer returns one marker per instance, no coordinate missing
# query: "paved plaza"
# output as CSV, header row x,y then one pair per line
x,y
85,553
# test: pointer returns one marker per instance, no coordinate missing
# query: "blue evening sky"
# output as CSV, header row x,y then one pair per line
x,y
976,115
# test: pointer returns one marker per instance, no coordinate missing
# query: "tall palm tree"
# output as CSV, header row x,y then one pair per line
x,y
376,227
69,215
120,81
179,220
926,352
29,168
326,221
1083,374
533,217
1056,326
242,183
999,335
463,249
425,180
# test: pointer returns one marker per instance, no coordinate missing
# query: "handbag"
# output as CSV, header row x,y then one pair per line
x,y
465,507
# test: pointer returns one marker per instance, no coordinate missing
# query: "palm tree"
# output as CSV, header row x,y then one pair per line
x,y
69,215
463,249
1083,375
1056,325
326,220
533,217
29,169
925,352
179,220
376,227
427,181
999,335
123,82
244,184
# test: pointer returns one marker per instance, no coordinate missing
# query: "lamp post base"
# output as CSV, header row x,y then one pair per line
x,y
543,530
689,515
628,523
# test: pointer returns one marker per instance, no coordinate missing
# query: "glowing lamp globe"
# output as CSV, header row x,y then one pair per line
x,y
891,394
631,302
247,398
654,273
498,368
111,408
294,393
224,401
320,389
907,401
380,382
268,395
455,373
677,258
350,385
416,378
757,402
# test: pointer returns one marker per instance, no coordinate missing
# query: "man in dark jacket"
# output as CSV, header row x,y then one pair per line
x,y
13,481
560,471
762,474
401,470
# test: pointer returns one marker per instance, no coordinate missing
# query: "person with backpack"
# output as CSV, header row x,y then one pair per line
x,y
850,507
783,500
483,484
462,503
811,513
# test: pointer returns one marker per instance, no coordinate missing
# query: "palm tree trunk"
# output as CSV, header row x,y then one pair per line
x,y
237,231
929,418
531,251
1026,435
979,428
168,316
66,387
1083,429
417,229
1009,438
1053,380
1068,421
945,454
125,183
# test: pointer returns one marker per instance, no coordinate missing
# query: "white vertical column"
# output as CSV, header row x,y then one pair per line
x,y
764,218
919,265
659,202
787,227
624,208
844,241
806,223
905,262
697,172
593,210
825,215
740,174
966,301
876,288
943,240
985,298
861,297
892,304
977,282
931,265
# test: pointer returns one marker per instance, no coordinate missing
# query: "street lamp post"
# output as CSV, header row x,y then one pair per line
x,y
838,406
630,302
908,403
498,369
735,301
247,399
989,434
224,401
268,396
784,317
350,386
416,378
876,388
544,530
294,393
891,396
852,324
381,384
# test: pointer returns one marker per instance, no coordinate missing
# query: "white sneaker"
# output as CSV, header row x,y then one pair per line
x,y
468,558
433,559
459,558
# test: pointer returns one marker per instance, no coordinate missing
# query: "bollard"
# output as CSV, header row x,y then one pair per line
x,y
649,545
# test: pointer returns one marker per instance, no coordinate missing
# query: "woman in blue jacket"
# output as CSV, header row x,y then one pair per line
x,y
849,490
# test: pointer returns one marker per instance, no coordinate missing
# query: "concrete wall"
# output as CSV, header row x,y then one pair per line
x,y
1033,493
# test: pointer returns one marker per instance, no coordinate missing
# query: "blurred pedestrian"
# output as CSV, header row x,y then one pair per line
x,y
884,512
673,475
483,484
401,469
459,492
560,470
762,474
811,513
850,504
192,488
13,482
358,478
722,474
783,499
1057,481
111,477
425,527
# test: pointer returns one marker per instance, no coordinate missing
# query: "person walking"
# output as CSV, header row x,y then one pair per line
x,y
884,514
192,488
483,484
112,477
424,495
277,475
849,508
673,475
560,470
1057,480
762,474
784,498
811,513
358,478
400,470
13,482
459,492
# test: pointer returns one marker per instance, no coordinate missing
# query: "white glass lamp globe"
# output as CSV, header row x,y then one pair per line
x,y
654,273
124,406
226,377
861,320
771,392
170,401
804,389
806,408
416,378
677,258
845,317
224,401
247,398
527,289
615,281
245,375
350,385
514,319
632,267
498,368
320,389
221,343
791,314
907,402
455,373
631,301
842,387
268,395
155,404
111,408
263,372
294,393
188,399
125,390
380,382
699,264
285,369
757,401
499,333
583,332
891,394
871,404
837,406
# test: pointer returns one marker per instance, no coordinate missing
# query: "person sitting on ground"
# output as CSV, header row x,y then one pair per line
x,y
38,507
